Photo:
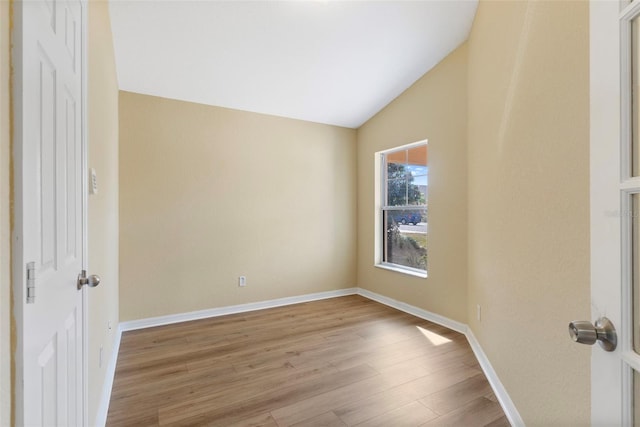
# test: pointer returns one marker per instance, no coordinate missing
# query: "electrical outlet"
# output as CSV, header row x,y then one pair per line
x,y
109,324
479,312
242,281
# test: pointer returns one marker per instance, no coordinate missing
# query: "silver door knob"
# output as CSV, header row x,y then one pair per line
x,y
604,332
91,281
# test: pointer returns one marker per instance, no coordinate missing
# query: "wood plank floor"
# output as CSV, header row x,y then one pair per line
x,y
345,361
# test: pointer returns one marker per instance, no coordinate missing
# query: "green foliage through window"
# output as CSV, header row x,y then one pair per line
x,y
400,187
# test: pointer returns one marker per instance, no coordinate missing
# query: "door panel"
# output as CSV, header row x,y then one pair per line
x,y
46,134
50,205
47,362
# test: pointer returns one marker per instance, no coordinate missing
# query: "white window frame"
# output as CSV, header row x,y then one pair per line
x,y
381,207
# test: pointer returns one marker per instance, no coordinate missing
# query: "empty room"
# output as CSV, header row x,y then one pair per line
x,y
323,212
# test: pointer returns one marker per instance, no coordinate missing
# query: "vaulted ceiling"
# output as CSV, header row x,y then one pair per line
x,y
334,62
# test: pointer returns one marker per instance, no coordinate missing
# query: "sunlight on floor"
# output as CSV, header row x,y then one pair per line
x,y
434,338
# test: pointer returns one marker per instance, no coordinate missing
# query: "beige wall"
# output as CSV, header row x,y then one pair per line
x,y
529,201
208,194
103,206
434,108
5,233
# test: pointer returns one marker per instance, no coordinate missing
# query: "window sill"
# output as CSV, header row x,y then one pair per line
x,y
399,269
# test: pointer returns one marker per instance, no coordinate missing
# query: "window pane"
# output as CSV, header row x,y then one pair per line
x,y
636,398
399,157
407,177
406,237
417,185
397,191
635,93
417,155
635,277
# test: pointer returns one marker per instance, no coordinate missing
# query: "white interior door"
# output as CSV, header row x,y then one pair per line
x,y
615,207
49,231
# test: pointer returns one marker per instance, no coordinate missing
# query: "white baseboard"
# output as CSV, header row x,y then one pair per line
x,y
415,311
508,407
232,309
103,408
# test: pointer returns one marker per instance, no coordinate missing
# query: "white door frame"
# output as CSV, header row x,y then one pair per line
x,y
606,374
18,262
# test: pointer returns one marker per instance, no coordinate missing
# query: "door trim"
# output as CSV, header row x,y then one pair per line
x,y
84,138
17,263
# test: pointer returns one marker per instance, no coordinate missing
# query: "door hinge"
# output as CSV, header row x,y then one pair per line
x,y
31,282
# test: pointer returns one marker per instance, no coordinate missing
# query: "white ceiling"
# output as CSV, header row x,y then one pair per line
x,y
334,62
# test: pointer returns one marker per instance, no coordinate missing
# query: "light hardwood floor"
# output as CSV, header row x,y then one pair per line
x,y
339,362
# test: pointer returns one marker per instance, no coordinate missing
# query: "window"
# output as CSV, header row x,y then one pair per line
x,y
402,217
